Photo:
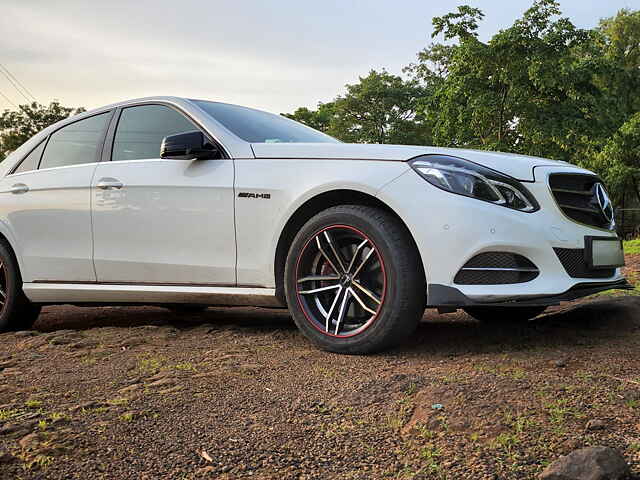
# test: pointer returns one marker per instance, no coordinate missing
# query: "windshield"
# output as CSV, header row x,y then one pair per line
x,y
261,127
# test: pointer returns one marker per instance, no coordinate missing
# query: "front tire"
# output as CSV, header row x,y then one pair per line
x,y
17,312
504,314
354,281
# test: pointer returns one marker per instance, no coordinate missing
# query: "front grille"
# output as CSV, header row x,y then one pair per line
x,y
576,196
573,261
496,268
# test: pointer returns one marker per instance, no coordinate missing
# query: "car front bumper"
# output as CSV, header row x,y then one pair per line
x,y
450,229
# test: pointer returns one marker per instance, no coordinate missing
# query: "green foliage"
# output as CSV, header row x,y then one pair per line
x,y
541,86
380,108
18,126
632,247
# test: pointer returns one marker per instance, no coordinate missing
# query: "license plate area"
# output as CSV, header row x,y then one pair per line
x,y
603,252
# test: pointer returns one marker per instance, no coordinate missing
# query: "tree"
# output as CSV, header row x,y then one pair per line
x,y
18,126
380,108
319,119
530,89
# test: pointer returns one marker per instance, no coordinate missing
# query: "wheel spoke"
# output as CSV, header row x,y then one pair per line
x,y
333,305
367,257
321,289
355,254
359,300
319,278
324,254
367,292
342,310
335,252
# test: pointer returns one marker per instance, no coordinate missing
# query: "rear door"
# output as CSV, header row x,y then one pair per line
x,y
47,199
161,221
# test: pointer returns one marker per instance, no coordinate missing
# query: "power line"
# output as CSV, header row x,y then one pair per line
x,y
7,99
18,82
15,86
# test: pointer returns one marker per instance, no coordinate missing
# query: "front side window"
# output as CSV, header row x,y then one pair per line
x,y
256,126
141,130
76,143
31,161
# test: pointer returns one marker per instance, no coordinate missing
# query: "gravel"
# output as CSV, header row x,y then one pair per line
x,y
142,393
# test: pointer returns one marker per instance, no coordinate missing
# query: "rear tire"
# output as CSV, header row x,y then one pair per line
x,y
372,290
17,312
504,314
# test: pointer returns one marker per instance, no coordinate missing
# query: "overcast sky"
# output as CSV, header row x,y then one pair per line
x,y
270,54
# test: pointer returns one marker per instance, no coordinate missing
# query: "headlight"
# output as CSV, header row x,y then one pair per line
x,y
466,178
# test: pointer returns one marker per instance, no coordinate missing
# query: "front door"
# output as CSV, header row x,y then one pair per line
x,y
161,221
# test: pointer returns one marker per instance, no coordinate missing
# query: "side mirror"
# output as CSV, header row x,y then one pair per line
x,y
188,146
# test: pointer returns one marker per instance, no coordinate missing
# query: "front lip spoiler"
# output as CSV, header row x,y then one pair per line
x,y
444,296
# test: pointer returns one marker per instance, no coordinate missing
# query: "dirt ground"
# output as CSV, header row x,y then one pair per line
x,y
140,393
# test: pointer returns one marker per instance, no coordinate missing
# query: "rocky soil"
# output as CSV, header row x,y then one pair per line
x,y
142,393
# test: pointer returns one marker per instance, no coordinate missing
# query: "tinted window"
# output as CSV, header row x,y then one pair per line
x,y
141,130
261,127
76,143
31,161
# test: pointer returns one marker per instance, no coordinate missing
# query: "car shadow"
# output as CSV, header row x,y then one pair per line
x,y
66,317
585,323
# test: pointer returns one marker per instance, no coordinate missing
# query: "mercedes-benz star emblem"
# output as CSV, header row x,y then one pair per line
x,y
604,202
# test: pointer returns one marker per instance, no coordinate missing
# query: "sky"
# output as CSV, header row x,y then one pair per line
x,y
275,55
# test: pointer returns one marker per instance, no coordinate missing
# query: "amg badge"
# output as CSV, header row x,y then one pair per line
x,y
265,196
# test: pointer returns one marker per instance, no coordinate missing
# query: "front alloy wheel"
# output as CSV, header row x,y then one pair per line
x,y
354,280
340,281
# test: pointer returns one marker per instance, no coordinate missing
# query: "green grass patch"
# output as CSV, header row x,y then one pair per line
x,y
632,247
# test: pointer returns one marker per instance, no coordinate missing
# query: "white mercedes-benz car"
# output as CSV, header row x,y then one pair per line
x,y
189,203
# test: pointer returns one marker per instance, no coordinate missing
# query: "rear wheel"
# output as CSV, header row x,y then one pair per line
x,y
16,311
354,280
504,314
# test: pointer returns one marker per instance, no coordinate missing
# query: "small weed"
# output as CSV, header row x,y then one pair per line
x,y
94,411
634,447
411,389
430,455
559,411
42,424
117,402
6,413
522,424
40,461
474,436
33,404
632,403
149,365
424,432
57,416
127,417
505,442
186,366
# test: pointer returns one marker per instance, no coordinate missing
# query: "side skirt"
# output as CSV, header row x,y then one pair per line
x,y
146,294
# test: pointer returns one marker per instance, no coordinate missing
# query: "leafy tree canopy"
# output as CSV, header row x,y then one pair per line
x,y
18,126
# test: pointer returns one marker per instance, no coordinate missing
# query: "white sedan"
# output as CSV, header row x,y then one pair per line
x,y
189,203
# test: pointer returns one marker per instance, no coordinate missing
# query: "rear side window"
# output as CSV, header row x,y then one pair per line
x,y
31,161
76,143
141,130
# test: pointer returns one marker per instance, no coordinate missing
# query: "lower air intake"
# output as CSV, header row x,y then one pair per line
x,y
496,268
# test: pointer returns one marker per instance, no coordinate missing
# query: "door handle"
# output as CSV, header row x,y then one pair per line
x,y
19,188
109,183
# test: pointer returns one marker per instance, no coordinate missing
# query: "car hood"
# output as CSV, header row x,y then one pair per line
x,y
517,166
